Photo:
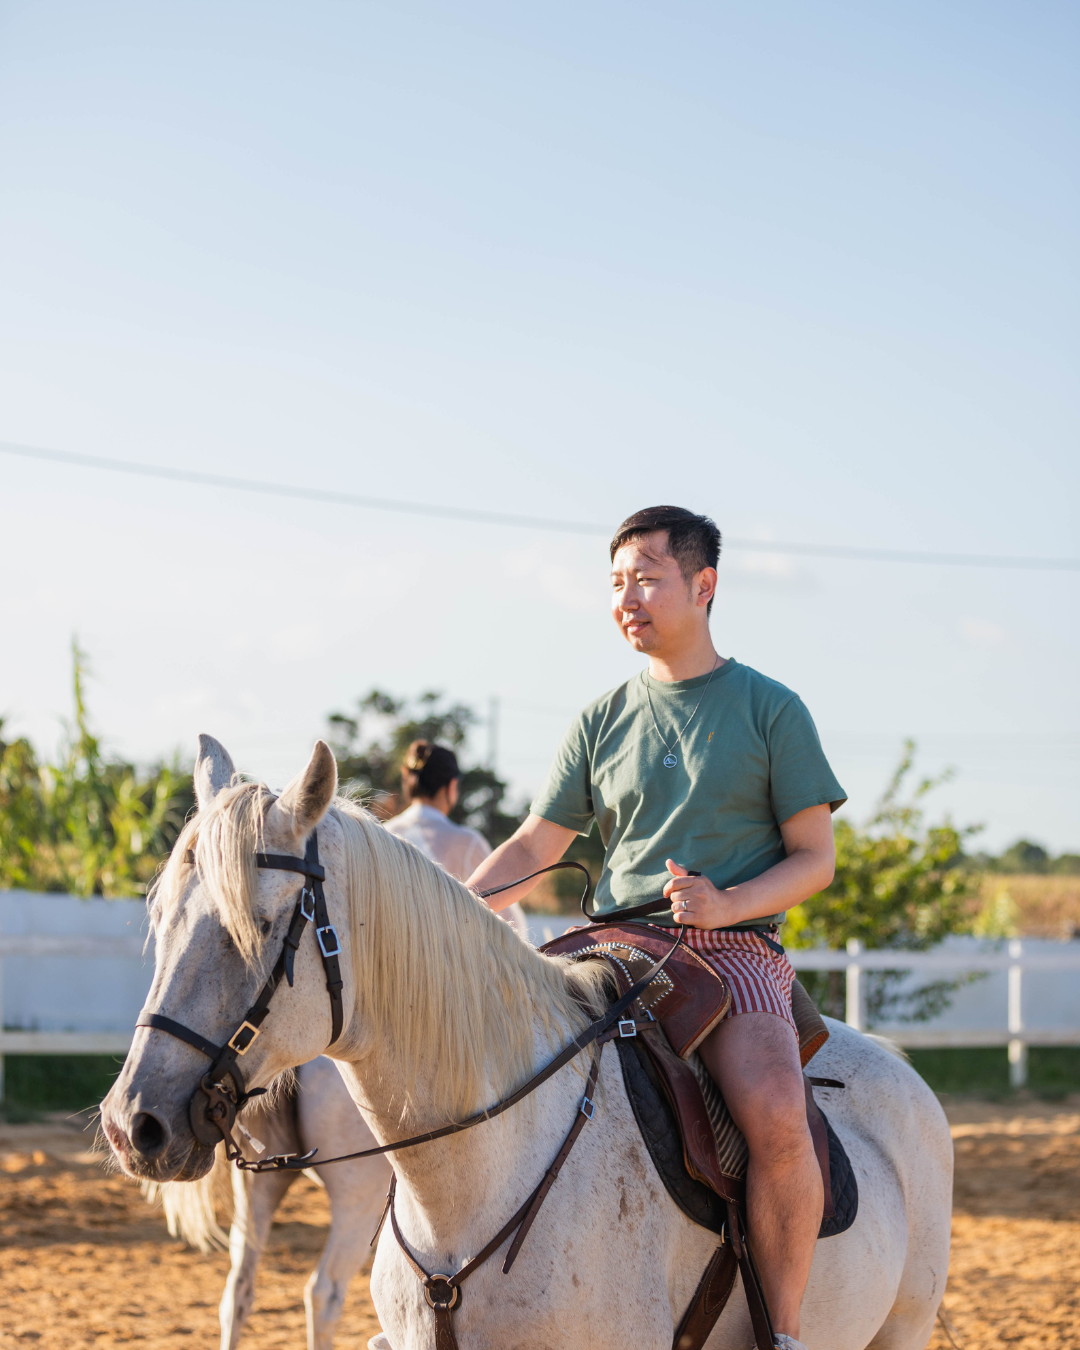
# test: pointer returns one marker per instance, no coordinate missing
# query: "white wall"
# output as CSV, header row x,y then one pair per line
x,y
84,993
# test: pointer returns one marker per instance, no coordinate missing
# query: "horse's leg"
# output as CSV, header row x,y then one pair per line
x,y
327,1119
256,1195
343,1255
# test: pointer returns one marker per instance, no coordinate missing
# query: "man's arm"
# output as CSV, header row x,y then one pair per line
x,y
536,843
807,869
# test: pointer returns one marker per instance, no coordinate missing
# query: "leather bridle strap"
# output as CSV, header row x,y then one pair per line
x,y
325,932
443,1292
182,1033
218,1103
307,866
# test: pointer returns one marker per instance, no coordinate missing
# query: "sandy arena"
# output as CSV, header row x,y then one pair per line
x,y
84,1261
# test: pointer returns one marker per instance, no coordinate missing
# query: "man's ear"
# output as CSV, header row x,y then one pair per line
x,y
304,802
705,584
214,770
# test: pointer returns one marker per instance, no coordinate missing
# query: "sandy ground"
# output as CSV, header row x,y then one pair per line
x,y
84,1261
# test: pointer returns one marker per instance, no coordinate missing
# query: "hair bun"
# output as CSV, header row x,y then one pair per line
x,y
435,767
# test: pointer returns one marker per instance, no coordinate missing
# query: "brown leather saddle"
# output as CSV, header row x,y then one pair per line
x,y
671,1019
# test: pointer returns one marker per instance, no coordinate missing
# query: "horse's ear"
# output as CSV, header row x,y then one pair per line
x,y
214,770
309,794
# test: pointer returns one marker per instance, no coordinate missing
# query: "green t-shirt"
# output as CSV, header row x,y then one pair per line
x,y
749,760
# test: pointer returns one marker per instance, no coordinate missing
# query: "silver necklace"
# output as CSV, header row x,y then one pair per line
x,y
671,759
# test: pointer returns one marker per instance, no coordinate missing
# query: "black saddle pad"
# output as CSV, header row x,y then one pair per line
x,y
658,1127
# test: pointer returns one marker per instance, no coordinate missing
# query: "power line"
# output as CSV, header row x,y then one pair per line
x,y
333,498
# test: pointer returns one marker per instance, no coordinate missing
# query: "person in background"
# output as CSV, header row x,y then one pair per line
x,y
430,782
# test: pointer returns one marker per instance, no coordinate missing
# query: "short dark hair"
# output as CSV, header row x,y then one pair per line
x,y
693,541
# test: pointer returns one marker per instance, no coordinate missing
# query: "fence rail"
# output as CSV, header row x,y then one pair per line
x,y
1013,1035
84,946
854,962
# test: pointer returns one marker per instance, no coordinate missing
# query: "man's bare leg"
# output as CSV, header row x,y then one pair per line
x,y
754,1058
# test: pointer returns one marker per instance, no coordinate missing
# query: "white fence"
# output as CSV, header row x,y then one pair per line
x,y
74,974
1012,958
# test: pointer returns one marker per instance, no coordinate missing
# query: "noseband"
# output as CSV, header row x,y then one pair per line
x,y
221,1091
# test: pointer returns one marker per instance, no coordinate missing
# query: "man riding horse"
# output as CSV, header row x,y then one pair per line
x,y
707,779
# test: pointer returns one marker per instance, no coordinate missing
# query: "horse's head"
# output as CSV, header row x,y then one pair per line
x,y
219,924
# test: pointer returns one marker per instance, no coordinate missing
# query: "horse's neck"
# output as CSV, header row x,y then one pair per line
x,y
457,1182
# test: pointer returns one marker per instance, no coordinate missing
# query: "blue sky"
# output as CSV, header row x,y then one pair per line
x,y
809,268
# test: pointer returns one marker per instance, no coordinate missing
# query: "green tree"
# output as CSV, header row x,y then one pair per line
x,y
898,884
88,825
370,748
1024,857
21,811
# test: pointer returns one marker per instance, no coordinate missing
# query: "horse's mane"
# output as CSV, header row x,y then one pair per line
x,y
441,981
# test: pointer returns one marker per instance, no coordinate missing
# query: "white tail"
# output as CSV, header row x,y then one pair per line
x,y
191,1207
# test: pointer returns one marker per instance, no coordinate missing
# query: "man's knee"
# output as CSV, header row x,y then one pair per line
x,y
772,1116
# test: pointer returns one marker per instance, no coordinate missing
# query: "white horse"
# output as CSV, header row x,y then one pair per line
x,y
315,1113
446,1011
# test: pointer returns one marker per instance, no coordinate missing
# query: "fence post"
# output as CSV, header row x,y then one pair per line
x,y
1018,1051
855,1009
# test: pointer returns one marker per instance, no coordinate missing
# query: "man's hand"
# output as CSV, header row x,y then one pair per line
x,y
695,901
807,869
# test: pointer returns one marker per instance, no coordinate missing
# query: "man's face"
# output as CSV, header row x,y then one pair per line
x,y
656,608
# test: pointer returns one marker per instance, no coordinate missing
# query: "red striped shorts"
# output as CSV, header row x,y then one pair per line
x,y
760,979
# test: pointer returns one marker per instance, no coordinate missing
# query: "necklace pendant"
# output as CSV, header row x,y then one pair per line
x,y
670,761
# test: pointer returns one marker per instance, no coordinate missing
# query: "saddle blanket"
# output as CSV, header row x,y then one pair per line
x,y
660,1131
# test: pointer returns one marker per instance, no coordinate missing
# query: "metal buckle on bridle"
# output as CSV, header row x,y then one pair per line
x,y
455,1292
307,904
627,1027
588,1108
243,1049
329,928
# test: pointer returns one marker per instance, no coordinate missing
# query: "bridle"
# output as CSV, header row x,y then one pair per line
x,y
221,1092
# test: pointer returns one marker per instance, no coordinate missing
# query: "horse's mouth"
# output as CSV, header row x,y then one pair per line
x,y
184,1160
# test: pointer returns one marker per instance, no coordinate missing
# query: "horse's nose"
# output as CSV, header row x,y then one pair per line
x,y
149,1135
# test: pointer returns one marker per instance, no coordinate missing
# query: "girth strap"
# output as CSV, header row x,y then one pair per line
x,y
709,1301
